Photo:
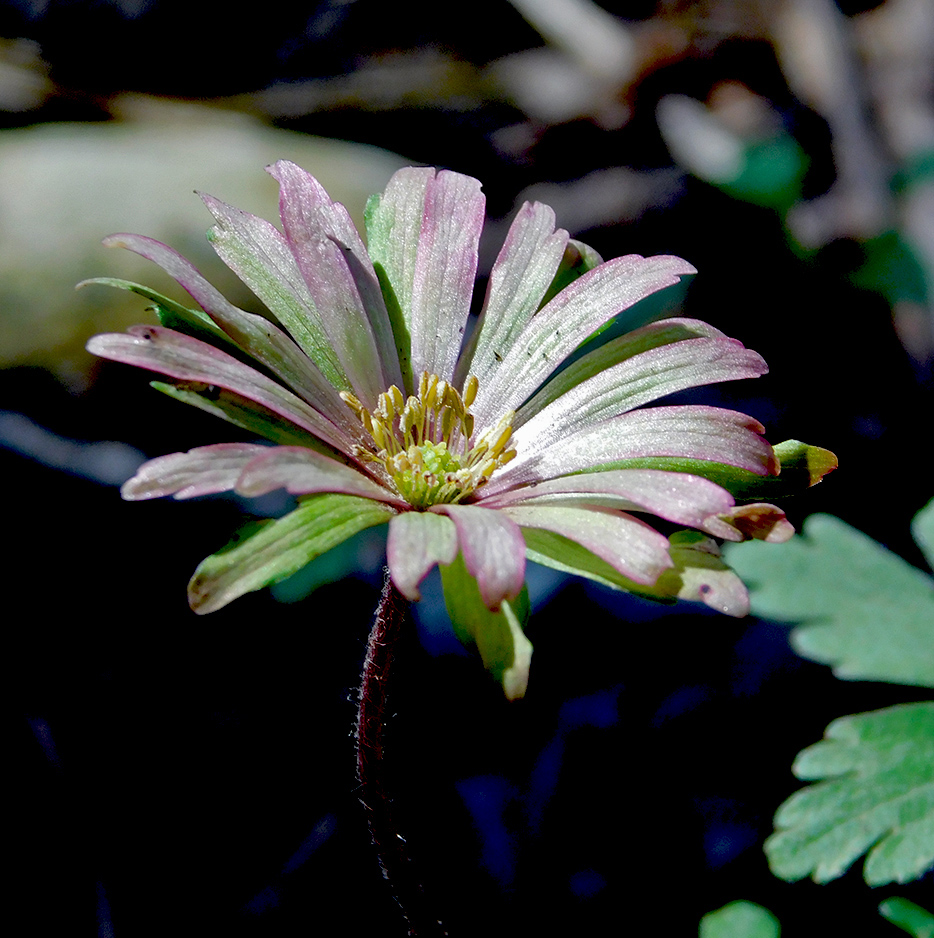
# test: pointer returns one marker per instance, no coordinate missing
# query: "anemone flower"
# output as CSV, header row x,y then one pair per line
x,y
529,439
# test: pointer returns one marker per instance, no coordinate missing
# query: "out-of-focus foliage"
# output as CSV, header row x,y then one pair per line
x,y
742,919
862,609
908,916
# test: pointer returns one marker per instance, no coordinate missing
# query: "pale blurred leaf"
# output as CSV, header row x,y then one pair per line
x,y
863,609
740,919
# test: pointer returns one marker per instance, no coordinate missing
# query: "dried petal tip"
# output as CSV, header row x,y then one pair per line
x,y
761,522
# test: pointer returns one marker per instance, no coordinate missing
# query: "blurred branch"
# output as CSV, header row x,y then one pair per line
x,y
598,42
424,77
24,82
814,43
896,40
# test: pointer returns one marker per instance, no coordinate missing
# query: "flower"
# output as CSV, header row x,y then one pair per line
x,y
477,454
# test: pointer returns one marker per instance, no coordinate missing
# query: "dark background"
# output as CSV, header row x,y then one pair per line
x,y
188,775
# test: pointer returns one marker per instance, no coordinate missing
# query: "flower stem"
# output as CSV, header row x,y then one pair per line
x,y
390,845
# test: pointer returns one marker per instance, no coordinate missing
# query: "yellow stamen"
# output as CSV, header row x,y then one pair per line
x,y
425,442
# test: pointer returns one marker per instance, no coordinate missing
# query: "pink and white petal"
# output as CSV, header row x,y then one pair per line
x,y
393,229
629,545
759,521
675,496
650,336
340,279
188,359
204,470
205,294
639,380
258,253
255,335
302,471
418,540
523,272
493,550
573,315
445,268
690,431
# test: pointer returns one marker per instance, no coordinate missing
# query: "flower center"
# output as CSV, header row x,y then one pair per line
x,y
425,443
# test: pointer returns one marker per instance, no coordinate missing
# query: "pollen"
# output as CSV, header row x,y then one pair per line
x,y
426,443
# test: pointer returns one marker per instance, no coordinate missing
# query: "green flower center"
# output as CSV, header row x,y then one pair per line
x,y
425,443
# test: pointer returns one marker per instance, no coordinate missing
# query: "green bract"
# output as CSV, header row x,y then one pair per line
x,y
475,453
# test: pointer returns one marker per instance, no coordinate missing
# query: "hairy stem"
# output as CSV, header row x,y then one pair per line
x,y
371,768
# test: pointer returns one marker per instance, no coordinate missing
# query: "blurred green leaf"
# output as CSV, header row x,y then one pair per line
x,y
76,182
772,173
172,315
505,651
908,917
577,260
739,919
891,268
922,530
878,796
362,554
865,610
245,413
758,165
